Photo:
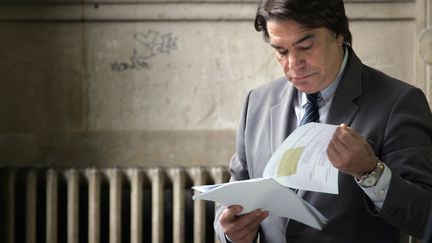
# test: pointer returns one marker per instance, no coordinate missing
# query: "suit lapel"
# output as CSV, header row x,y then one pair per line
x,y
280,114
343,108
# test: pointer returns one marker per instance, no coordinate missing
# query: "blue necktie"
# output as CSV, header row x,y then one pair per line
x,y
311,109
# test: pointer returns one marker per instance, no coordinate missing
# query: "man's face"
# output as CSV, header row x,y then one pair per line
x,y
311,58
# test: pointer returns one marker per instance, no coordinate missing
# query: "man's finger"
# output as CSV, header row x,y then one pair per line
x,y
249,231
243,226
247,219
260,216
232,211
347,136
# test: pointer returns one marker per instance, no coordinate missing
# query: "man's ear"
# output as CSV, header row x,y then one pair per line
x,y
340,39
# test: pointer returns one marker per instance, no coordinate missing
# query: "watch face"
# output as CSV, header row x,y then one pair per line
x,y
370,181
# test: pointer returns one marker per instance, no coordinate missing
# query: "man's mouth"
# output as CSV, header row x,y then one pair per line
x,y
299,78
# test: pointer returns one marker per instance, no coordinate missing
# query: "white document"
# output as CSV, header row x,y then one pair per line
x,y
301,161
265,194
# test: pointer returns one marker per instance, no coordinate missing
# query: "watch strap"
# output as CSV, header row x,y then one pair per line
x,y
371,179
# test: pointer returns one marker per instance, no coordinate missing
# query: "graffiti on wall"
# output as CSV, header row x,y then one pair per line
x,y
148,45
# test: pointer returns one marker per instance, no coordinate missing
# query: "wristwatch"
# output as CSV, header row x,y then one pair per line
x,y
371,179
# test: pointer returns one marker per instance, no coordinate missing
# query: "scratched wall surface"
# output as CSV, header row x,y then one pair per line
x,y
117,89
174,76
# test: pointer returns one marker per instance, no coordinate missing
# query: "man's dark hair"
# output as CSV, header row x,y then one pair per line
x,y
329,14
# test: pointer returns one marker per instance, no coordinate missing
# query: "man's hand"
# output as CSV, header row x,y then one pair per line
x,y
351,153
243,228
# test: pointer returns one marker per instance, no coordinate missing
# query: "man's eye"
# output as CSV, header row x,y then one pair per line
x,y
282,53
308,47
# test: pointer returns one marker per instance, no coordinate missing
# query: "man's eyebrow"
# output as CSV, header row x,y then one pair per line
x,y
276,47
304,38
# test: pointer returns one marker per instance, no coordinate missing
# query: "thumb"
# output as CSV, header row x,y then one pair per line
x,y
232,211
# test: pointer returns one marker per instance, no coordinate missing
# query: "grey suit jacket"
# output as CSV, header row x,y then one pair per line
x,y
394,115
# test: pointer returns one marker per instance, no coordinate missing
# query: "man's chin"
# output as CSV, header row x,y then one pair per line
x,y
303,86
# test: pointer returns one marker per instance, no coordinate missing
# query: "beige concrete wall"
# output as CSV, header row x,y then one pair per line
x,y
159,82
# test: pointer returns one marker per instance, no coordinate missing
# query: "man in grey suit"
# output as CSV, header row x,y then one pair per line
x,y
382,147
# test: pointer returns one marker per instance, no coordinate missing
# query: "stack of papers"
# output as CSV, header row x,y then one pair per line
x,y
265,194
300,162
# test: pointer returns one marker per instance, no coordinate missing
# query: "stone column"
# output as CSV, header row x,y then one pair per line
x,y
424,34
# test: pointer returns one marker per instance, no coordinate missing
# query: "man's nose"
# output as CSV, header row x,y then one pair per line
x,y
295,61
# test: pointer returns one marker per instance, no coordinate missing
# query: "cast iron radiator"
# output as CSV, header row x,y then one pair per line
x,y
115,205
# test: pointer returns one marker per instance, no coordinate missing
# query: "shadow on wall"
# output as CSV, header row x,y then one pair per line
x,y
44,86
